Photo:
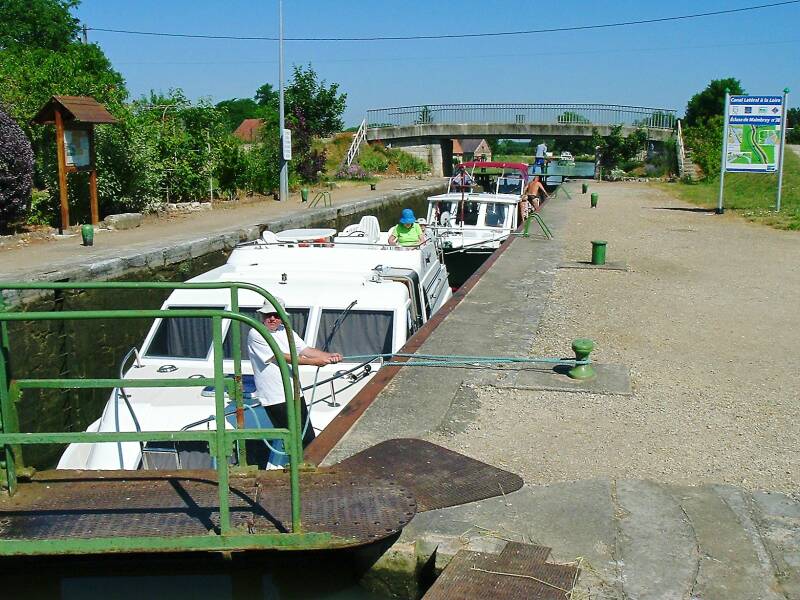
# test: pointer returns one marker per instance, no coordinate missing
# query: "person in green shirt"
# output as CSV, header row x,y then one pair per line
x,y
407,232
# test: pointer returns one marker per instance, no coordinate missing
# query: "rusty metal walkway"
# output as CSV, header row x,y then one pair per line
x,y
369,497
77,507
519,572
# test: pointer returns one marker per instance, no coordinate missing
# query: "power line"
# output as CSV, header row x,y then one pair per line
x,y
360,60
453,35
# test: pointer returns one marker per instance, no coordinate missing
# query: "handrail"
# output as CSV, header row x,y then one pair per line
x,y
358,139
323,195
681,151
523,114
220,439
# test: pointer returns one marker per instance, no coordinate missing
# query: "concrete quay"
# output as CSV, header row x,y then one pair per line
x,y
634,538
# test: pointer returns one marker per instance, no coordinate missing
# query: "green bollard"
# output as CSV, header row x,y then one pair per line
x,y
585,187
599,252
582,347
87,233
304,194
594,200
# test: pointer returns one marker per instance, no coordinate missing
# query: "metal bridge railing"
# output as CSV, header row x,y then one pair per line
x,y
523,114
220,439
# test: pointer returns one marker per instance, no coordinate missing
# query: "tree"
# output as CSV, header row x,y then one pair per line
x,y
322,106
572,117
16,172
46,24
237,110
793,122
615,149
425,116
711,101
266,95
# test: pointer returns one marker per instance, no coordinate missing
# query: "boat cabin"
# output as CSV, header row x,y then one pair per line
x,y
480,207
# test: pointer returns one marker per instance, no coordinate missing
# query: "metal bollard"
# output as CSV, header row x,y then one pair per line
x,y
599,252
582,348
304,194
87,233
594,200
585,187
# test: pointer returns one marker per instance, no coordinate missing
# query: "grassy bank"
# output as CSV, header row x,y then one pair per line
x,y
751,195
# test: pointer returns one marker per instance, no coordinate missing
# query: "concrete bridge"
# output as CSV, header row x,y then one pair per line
x,y
427,131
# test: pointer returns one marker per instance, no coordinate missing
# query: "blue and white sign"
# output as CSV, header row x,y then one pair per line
x,y
753,133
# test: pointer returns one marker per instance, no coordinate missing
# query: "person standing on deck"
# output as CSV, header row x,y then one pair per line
x,y
541,156
267,375
530,197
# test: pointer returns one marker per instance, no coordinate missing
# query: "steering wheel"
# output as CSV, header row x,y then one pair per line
x,y
445,219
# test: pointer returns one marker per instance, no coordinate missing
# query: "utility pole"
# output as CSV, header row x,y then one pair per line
x,y
284,177
85,35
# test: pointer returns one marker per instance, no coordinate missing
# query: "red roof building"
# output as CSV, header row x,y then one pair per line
x,y
249,131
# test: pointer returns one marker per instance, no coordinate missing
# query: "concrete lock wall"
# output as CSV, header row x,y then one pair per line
x,y
438,153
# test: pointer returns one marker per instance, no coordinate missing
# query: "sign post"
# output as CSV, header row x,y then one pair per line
x,y
783,147
720,208
753,137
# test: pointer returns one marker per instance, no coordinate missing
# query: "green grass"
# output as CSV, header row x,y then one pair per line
x,y
752,195
518,158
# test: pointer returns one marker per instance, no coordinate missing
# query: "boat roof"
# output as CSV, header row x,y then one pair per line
x,y
297,291
483,197
483,164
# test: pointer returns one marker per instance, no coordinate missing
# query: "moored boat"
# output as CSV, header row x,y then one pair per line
x,y
350,293
480,208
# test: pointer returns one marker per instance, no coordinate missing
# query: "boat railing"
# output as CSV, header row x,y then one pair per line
x,y
220,439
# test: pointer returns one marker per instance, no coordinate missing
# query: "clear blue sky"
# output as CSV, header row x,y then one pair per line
x,y
659,65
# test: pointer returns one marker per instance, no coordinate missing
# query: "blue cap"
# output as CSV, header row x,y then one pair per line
x,y
407,217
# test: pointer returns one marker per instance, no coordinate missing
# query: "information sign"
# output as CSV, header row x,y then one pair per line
x,y
287,144
753,134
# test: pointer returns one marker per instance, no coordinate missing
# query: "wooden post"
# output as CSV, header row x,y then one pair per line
x,y
62,172
93,181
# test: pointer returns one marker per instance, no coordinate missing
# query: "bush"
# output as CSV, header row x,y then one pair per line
x,y
705,140
407,163
374,162
354,171
16,172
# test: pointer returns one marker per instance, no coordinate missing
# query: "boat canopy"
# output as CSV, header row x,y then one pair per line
x,y
482,164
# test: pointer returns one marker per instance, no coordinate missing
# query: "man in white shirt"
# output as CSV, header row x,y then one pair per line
x,y
541,154
267,375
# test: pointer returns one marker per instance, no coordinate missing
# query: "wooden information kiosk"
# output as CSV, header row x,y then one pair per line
x,y
75,118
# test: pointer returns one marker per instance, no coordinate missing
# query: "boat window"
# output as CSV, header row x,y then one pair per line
x,y
183,337
510,185
299,320
496,214
355,332
468,213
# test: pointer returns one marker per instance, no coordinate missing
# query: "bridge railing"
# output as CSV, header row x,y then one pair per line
x,y
536,114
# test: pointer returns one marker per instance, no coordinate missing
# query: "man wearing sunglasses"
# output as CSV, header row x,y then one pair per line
x,y
266,373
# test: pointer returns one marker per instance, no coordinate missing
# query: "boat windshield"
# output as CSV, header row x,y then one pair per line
x,y
183,337
511,184
355,332
299,321
191,337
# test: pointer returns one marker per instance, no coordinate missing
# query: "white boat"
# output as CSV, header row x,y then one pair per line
x,y
351,293
477,217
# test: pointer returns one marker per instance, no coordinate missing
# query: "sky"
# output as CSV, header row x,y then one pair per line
x,y
658,65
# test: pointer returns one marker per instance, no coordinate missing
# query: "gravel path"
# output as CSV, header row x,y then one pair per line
x,y
706,319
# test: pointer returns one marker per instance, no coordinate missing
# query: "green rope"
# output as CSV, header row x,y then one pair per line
x,y
424,360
